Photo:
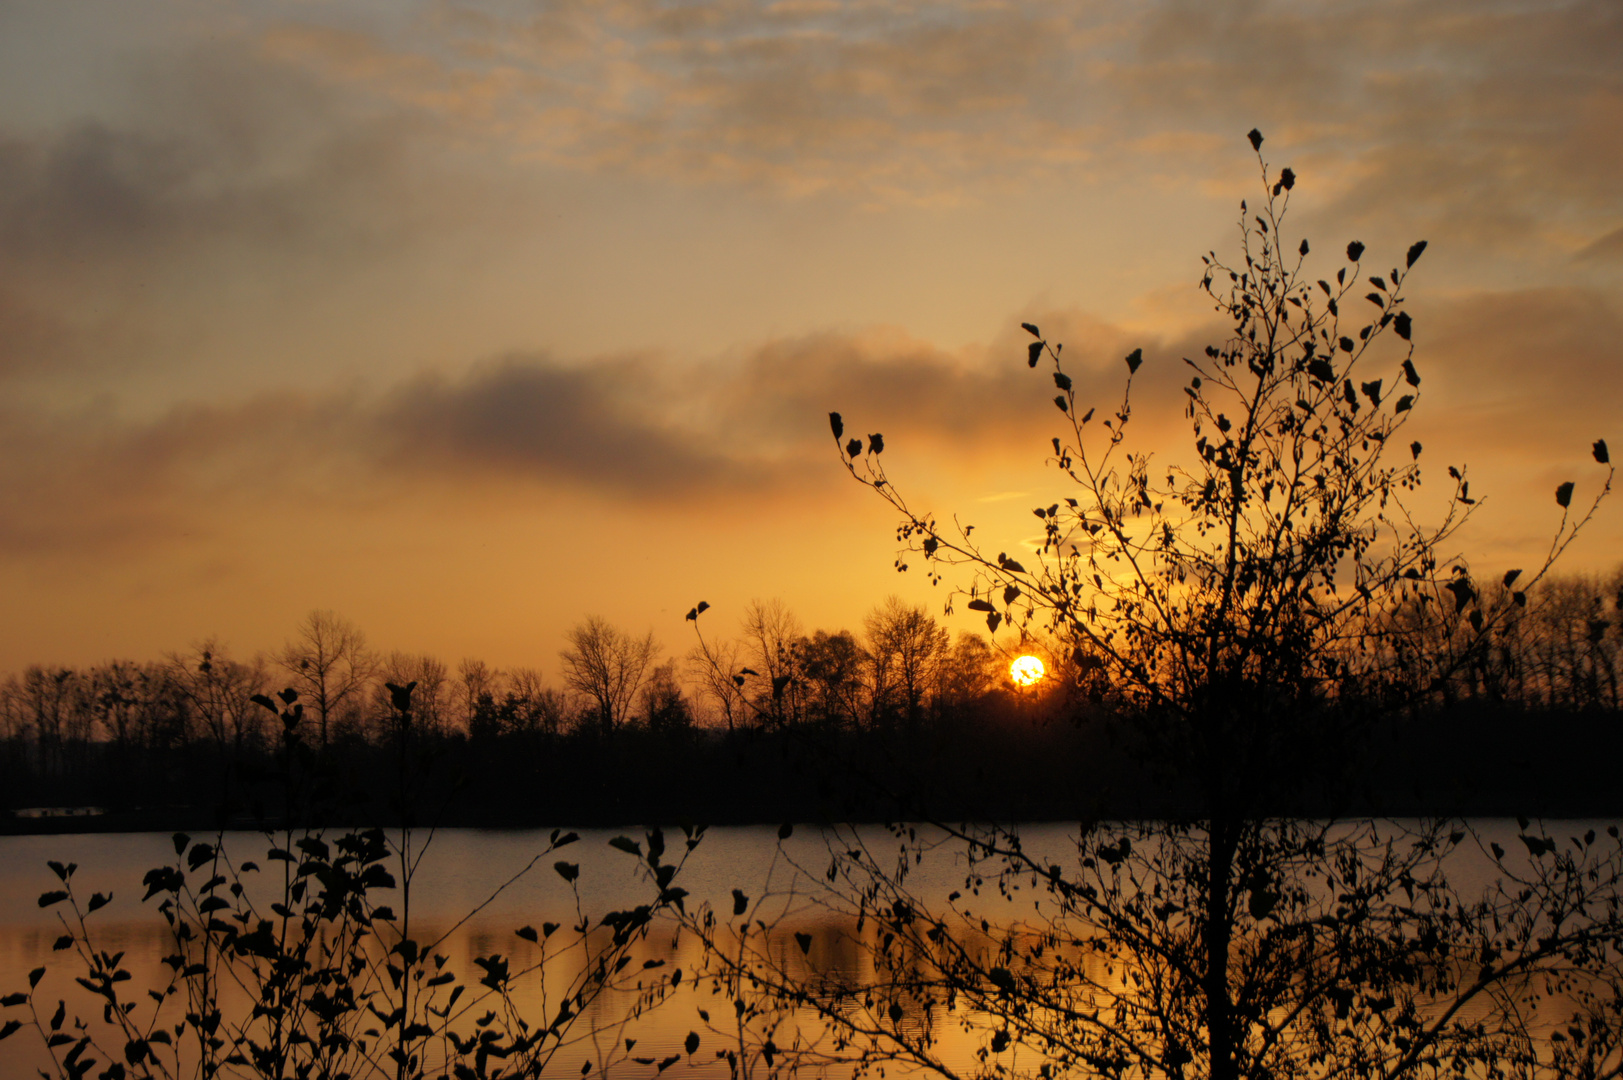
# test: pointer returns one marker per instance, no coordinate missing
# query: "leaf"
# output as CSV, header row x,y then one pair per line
x,y
1062,380
55,896
1256,138
627,845
1405,403
837,424
1410,375
785,831
9,1030
1404,326
1355,251
1600,453
1011,593
1320,369
854,447
1034,353
1372,390
876,444
691,1043
1414,450
99,900
1415,251
1134,358
528,933
1031,329
992,621
1059,400
35,976
567,870
1511,576
741,902
981,605
804,941
1303,251
1287,180
62,943
1346,344
1563,498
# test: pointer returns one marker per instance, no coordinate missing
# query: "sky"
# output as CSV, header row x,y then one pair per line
x,y
468,320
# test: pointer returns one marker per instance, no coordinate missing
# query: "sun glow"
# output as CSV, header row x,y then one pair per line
x,y
1026,670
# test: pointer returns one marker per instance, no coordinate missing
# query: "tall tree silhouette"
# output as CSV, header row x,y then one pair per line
x,y
1248,605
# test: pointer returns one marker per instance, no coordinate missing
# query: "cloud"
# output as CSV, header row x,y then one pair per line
x,y
1483,113
719,434
596,426
1608,248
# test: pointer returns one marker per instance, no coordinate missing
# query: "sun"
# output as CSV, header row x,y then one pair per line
x,y
1026,670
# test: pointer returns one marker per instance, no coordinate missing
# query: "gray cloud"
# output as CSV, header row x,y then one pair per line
x,y
597,427
1533,372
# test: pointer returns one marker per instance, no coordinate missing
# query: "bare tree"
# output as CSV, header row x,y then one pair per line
x,y
714,667
771,632
330,666
218,693
430,709
606,665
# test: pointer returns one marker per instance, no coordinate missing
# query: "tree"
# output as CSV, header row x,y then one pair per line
x,y
832,667
330,666
770,633
714,666
606,665
218,693
908,649
1251,605
664,707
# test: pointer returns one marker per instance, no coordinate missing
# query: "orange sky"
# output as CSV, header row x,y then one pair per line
x,y
470,319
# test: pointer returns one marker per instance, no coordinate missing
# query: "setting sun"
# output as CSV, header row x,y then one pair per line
x,y
1026,670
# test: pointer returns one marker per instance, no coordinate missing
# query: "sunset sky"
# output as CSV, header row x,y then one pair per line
x,y
470,318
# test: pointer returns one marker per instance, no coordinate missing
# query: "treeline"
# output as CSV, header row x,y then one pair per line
x,y
769,723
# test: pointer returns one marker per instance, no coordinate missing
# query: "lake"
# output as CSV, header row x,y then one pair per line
x,y
474,871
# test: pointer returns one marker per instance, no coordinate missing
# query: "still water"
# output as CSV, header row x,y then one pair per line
x,y
472,893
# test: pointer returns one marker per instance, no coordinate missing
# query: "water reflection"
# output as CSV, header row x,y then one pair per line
x,y
841,960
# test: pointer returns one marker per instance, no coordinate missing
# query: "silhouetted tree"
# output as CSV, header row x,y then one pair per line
x,y
908,650
1250,606
770,632
330,666
606,666
833,668
664,707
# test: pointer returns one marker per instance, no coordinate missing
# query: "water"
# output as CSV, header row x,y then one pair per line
x,y
462,872
472,894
